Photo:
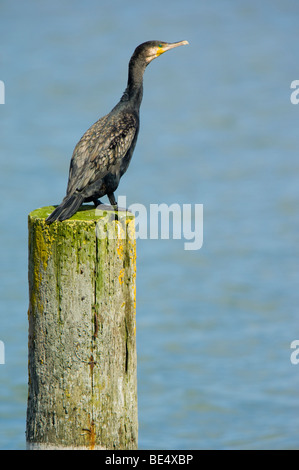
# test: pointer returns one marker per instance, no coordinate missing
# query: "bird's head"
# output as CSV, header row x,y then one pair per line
x,y
149,50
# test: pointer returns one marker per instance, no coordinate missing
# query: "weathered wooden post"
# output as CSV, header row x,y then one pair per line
x,y
82,348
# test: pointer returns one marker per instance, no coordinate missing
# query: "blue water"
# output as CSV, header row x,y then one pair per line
x,y
214,326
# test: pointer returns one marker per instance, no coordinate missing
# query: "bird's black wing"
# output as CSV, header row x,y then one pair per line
x,y
101,149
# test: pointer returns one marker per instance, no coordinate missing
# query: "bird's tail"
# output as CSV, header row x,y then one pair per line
x,y
67,208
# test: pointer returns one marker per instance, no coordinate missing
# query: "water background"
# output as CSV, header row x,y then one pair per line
x,y
214,326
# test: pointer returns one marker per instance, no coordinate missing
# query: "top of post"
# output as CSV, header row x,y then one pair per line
x,y
86,213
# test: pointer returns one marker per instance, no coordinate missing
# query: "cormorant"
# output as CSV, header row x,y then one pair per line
x,y
103,154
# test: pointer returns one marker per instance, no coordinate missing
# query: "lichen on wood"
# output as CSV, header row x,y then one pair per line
x,y
82,345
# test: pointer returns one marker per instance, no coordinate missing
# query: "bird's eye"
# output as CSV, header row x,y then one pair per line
x,y
160,45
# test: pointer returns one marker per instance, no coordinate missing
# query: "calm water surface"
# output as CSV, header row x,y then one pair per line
x,y
214,326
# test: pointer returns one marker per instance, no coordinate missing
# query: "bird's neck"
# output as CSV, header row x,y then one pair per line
x,y
134,90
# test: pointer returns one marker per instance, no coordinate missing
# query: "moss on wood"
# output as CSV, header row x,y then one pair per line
x,y
82,346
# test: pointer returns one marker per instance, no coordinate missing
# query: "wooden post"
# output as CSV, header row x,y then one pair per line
x,y
82,347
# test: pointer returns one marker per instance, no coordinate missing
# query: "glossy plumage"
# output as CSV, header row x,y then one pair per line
x,y
103,153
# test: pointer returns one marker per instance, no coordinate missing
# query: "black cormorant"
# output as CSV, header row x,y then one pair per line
x,y
103,154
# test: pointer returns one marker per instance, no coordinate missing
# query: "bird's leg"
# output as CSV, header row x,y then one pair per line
x,y
99,205
105,207
112,201
97,202
114,205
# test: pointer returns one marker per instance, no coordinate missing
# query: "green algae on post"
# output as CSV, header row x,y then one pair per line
x,y
82,344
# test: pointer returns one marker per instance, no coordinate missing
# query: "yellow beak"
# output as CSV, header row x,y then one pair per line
x,y
166,47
